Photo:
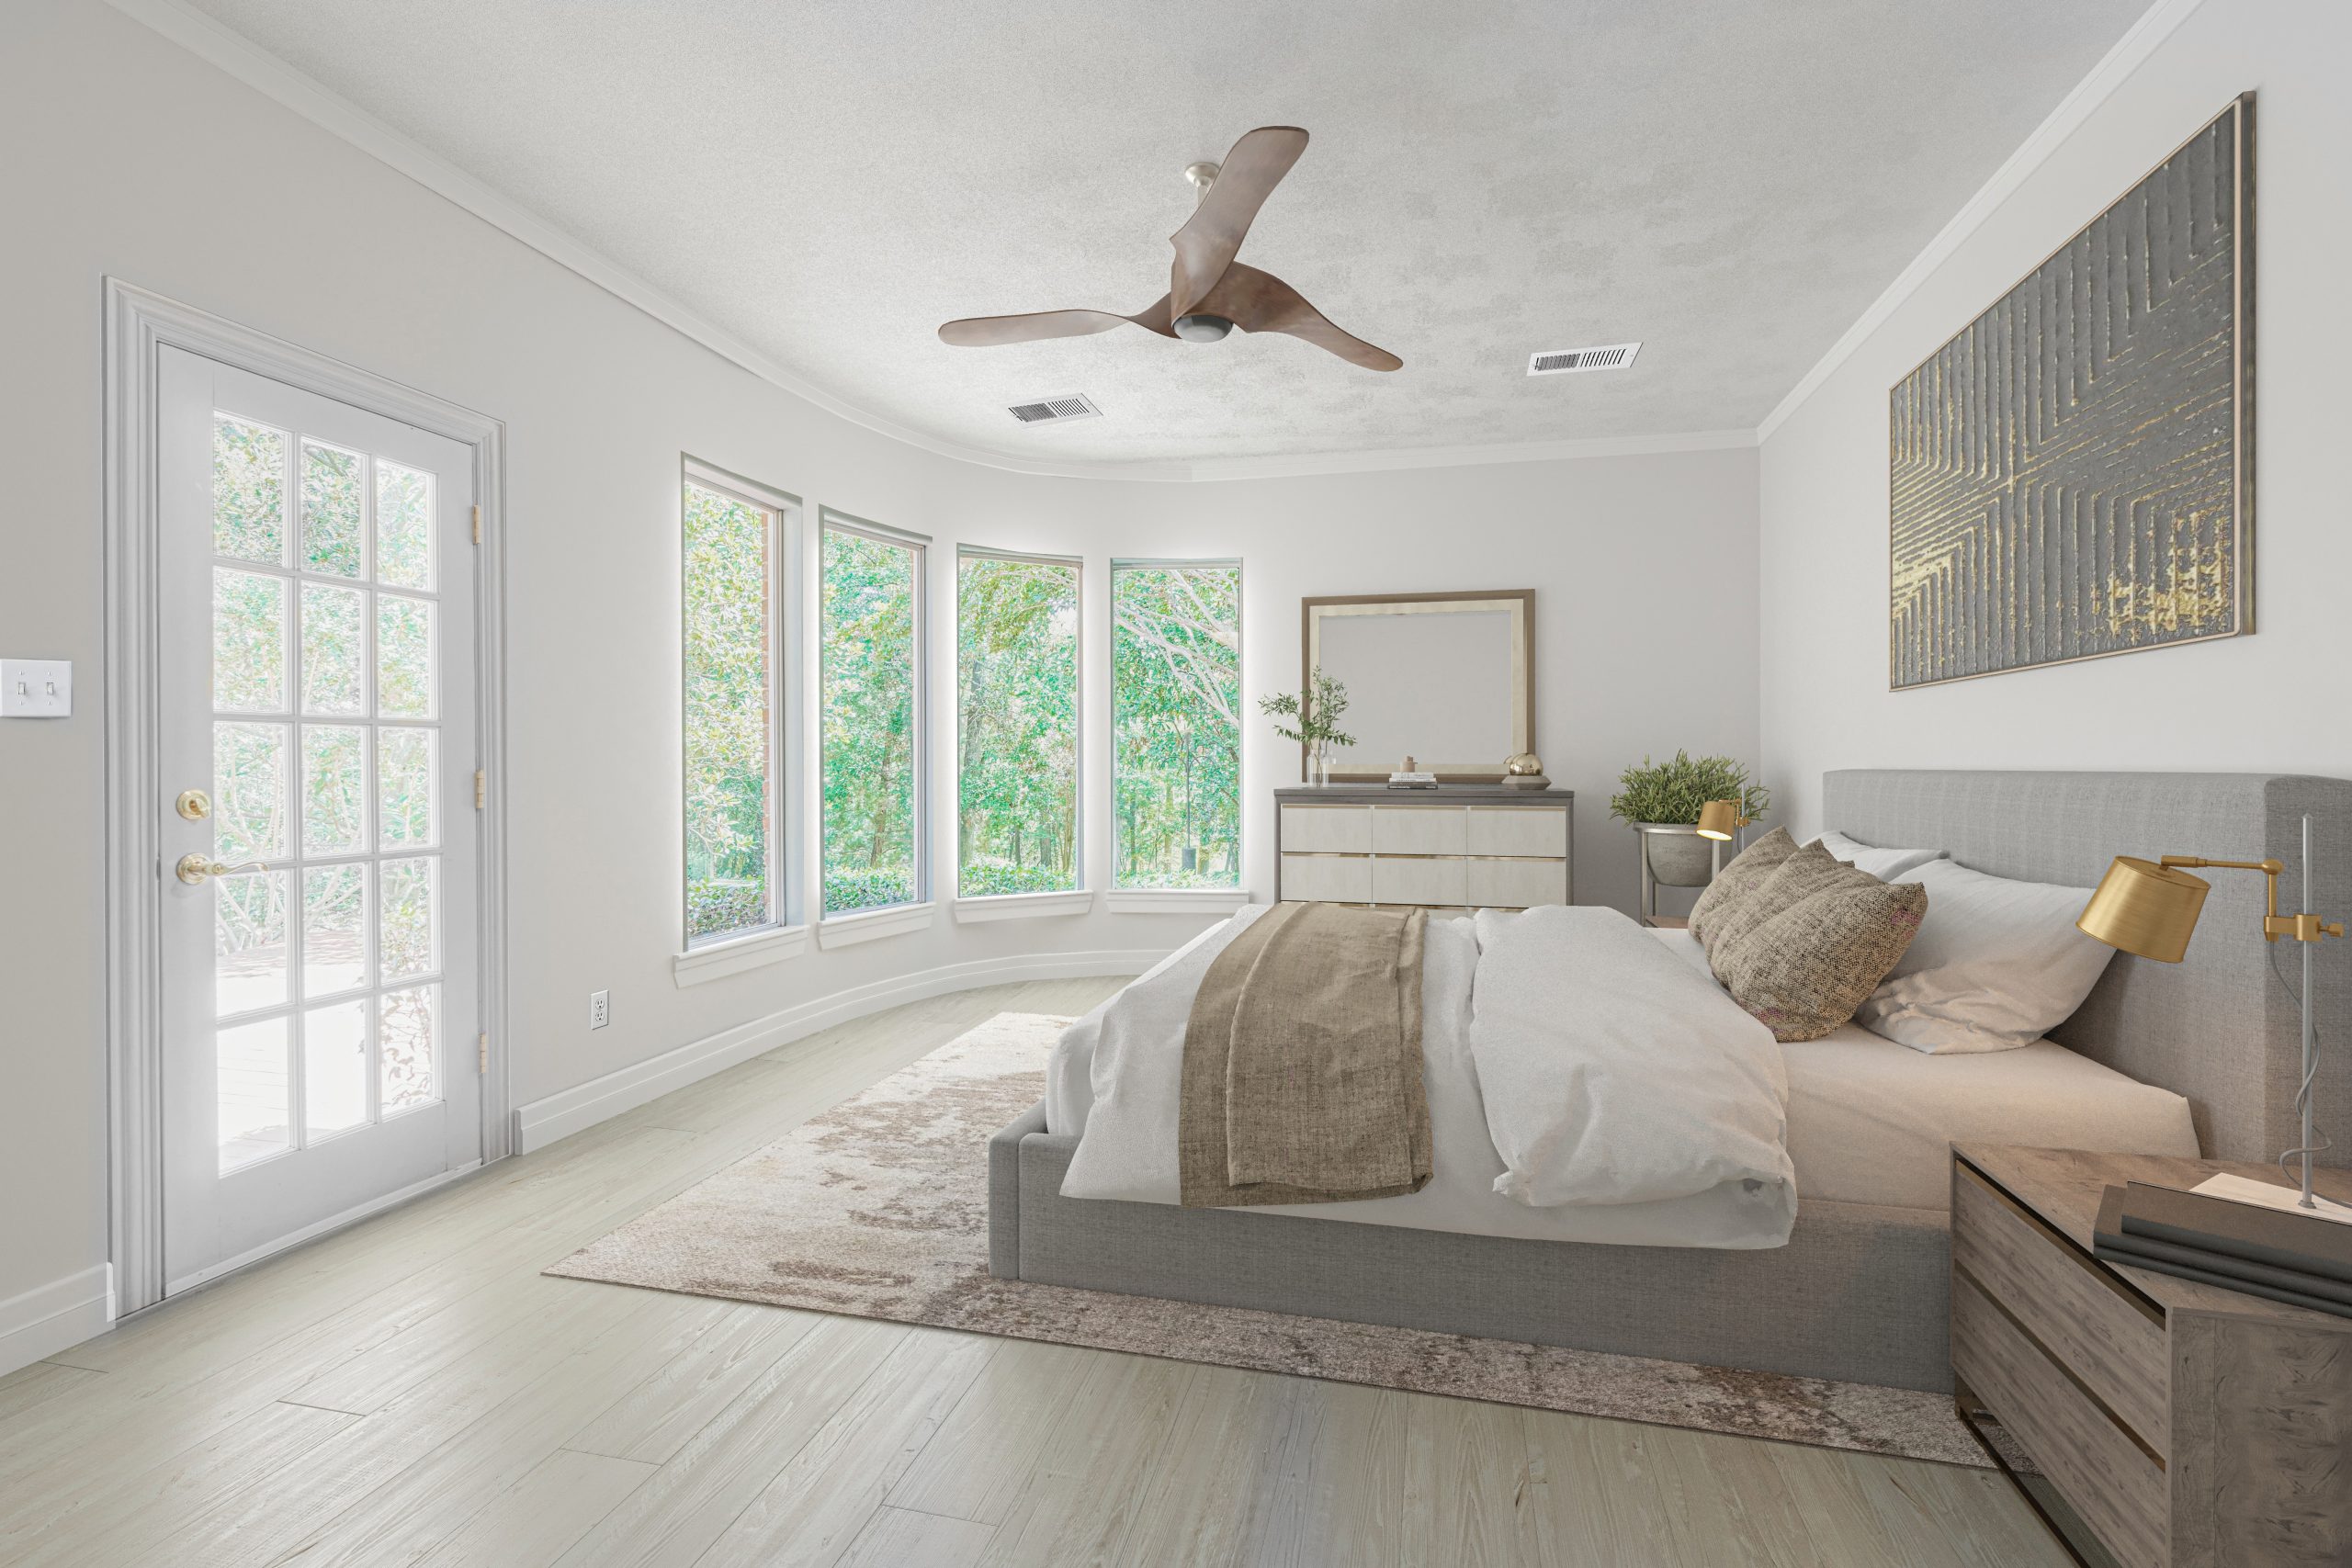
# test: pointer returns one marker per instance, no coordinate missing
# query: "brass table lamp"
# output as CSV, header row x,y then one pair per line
x,y
2150,908
1721,819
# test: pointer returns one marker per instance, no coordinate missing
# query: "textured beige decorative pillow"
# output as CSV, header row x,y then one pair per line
x,y
1736,884
1828,937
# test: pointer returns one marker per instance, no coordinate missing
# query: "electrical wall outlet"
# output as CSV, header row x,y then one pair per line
x,y
36,688
600,1009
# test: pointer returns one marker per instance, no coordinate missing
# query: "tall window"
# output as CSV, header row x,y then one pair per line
x,y
734,570
1176,724
870,594
1016,680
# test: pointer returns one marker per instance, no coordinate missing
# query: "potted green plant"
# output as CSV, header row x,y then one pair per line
x,y
1317,711
1662,801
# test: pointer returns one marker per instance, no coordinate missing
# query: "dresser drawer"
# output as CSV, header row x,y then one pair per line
x,y
1419,881
1327,829
2108,1479
1519,831
2107,1339
1327,879
1418,830
1517,884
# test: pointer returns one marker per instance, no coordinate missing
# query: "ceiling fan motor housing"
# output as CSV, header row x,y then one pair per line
x,y
1201,327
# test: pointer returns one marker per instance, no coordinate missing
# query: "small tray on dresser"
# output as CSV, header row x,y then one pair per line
x,y
2183,1425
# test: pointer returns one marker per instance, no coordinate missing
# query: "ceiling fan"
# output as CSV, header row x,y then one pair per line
x,y
1209,293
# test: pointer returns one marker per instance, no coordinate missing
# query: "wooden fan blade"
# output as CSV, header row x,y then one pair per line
x,y
987,331
1259,302
1207,244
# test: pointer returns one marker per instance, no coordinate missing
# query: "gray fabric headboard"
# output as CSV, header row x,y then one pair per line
x,y
2219,1027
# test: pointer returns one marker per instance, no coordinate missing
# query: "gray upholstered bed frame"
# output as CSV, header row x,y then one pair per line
x,y
1857,1294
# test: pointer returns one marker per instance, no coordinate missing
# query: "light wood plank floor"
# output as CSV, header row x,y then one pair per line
x,y
414,1391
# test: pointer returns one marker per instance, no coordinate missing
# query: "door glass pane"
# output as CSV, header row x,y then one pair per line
x,y
404,658
248,491
249,957
409,925
406,1047
332,618
334,1069
333,501
249,792
403,526
334,789
248,642
404,788
334,929
250,1079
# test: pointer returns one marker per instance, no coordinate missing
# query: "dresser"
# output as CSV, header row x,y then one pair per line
x,y
2185,1426
1461,847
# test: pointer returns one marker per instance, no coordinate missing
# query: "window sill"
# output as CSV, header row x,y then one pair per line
x,y
1175,900
736,955
868,925
1022,906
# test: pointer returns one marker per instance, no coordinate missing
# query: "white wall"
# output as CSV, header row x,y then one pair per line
x,y
2275,700
130,158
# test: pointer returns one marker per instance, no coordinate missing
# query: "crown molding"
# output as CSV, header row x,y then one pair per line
x,y
1214,469
2131,51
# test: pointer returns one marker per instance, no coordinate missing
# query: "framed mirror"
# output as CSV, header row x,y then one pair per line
x,y
1447,679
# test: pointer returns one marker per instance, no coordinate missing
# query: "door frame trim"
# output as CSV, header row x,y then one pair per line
x,y
139,323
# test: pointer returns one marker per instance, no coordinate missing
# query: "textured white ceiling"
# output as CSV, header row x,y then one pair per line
x,y
1731,182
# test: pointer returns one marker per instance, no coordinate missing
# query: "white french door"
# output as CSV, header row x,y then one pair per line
x,y
317,744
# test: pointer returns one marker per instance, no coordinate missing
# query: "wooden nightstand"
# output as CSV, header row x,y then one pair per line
x,y
1669,922
2187,1425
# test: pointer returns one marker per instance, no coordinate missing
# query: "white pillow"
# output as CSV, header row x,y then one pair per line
x,y
1996,964
1884,865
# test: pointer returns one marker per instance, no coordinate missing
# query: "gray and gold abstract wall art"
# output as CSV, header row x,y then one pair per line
x,y
2072,475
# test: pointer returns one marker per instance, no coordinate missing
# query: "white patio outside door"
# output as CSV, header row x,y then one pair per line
x,y
316,746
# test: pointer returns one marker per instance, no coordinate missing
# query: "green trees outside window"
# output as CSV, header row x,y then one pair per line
x,y
1176,725
1016,714
729,682
870,615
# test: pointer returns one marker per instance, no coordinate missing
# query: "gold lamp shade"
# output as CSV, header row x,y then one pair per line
x,y
1719,819
2145,909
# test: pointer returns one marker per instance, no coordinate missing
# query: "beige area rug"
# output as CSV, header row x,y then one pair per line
x,y
878,1208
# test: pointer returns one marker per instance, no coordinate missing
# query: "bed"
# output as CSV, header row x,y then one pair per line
x,y
2160,1059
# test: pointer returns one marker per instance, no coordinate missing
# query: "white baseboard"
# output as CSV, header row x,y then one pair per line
x,y
542,1121
52,1317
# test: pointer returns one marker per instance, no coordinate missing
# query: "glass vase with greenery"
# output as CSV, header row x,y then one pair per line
x,y
1673,792
1317,712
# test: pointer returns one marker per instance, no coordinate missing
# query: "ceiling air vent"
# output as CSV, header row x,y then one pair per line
x,y
1046,410
1561,361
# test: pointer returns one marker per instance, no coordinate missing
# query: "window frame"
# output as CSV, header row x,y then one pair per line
x,y
784,932
1145,899
1078,896
918,545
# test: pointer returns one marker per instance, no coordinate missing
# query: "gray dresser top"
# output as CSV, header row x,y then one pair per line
x,y
1445,795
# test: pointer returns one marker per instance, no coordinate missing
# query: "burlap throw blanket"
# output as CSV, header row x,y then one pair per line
x,y
1302,1077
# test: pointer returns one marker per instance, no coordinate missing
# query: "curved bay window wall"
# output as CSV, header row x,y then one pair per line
x,y
1017,724
1176,724
870,650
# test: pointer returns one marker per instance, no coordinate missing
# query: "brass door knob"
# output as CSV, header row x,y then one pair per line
x,y
193,869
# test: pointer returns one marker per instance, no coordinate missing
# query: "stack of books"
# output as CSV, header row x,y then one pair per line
x,y
1412,781
2297,1258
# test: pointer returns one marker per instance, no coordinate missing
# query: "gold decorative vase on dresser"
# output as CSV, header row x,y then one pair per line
x,y
2185,1425
1462,847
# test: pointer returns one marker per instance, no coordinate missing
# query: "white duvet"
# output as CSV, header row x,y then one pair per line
x,y
1583,1084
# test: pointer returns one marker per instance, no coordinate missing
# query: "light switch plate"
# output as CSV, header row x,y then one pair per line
x,y
36,688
